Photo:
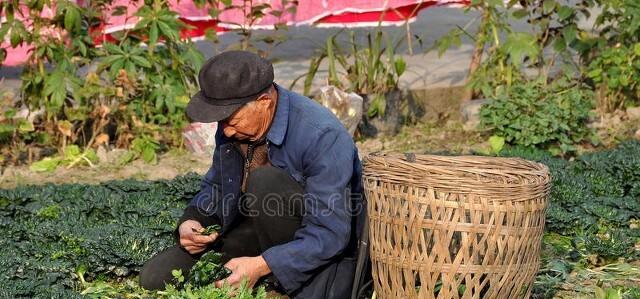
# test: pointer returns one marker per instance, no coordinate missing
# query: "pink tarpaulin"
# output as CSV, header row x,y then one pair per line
x,y
351,13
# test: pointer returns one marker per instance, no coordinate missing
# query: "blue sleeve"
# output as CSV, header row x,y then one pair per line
x,y
326,224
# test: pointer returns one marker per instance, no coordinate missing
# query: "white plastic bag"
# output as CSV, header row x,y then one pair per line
x,y
346,106
200,138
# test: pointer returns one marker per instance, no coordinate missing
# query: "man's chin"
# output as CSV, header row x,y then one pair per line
x,y
242,137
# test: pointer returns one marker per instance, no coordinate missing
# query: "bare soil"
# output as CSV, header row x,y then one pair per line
x,y
169,165
427,137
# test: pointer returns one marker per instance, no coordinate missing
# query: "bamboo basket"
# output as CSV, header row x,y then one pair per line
x,y
454,227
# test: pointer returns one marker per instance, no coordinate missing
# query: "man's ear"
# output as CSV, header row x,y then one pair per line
x,y
264,98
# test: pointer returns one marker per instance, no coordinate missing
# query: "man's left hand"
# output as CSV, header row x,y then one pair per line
x,y
249,268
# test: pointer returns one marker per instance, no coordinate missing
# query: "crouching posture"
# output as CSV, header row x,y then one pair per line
x,y
285,186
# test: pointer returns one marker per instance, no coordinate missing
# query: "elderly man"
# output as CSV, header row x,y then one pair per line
x,y
285,186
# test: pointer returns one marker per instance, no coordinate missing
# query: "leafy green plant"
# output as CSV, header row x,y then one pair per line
x,y
612,56
371,69
552,117
209,230
555,26
92,240
504,49
501,54
608,293
135,90
144,147
212,292
87,233
609,246
71,157
252,12
207,270
616,71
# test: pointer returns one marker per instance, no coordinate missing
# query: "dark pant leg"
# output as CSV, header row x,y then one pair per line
x,y
240,241
156,273
274,202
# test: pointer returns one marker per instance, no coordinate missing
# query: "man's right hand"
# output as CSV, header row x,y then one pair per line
x,y
193,241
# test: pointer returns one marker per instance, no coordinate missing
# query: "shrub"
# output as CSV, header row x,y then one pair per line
x,y
551,117
90,95
616,71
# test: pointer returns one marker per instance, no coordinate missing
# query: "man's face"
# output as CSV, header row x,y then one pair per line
x,y
252,120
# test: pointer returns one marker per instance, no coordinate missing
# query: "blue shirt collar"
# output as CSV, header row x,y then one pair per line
x,y
281,118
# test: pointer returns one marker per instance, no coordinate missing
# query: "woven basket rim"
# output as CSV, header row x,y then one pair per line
x,y
476,168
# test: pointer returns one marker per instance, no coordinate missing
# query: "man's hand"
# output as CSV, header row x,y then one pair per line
x,y
191,239
249,268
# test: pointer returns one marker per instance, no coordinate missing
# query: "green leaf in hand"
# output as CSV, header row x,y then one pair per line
x,y
209,230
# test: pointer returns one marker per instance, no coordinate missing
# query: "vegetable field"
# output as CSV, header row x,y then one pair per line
x,y
72,241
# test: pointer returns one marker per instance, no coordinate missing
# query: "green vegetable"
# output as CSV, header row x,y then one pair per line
x,y
209,230
110,230
208,270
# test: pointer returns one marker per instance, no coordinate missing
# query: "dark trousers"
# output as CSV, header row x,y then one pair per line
x,y
271,213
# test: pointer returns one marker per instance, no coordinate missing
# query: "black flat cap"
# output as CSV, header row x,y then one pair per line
x,y
227,81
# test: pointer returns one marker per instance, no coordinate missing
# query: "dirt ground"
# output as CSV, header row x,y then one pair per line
x,y
169,166
422,138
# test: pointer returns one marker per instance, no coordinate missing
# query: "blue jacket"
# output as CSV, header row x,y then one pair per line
x,y
311,144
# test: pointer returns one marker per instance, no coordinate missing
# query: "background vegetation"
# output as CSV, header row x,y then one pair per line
x,y
128,93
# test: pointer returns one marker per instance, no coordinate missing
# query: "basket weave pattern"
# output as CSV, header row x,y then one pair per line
x,y
455,227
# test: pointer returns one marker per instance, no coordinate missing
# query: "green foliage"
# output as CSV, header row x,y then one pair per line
x,y
207,270
369,68
71,156
612,56
617,71
551,117
130,289
610,246
144,147
593,200
609,293
496,143
554,24
135,89
608,57
592,217
52,234
62,239
211,292
252,12
506,51
210,230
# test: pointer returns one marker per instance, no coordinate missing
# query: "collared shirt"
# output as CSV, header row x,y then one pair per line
x,y
311,144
